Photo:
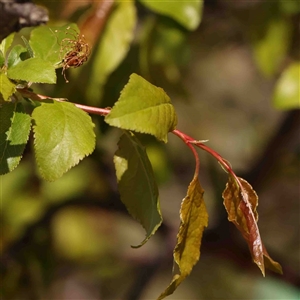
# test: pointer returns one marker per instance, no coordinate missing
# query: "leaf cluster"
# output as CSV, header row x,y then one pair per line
x,y
63,134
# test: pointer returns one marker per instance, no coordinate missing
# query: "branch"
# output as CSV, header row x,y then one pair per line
x,y
96,20
189,140
38,97
186,138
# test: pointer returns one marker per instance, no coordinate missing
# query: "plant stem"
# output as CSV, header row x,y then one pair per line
x,y
189,140
89,109
186,139
93,110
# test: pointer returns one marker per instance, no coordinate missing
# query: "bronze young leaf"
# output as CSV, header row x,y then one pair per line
x,y
240,201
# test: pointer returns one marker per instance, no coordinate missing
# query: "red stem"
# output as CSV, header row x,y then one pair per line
x,y
86,108
185,138
189,141
93,110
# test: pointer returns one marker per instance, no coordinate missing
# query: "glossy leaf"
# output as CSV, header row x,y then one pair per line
x,y
52,49
14,133
287,90
115,43
6,43
241,204
188,13
144,108
137,185
194,219
7,88
33,70
63,135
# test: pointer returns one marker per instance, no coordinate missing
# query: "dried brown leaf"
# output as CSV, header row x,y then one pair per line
x,y
240,201
194,219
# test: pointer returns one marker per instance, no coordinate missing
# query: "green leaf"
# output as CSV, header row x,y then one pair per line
x,y
52,49
270,50
63,135
188,13
6,43
115,43
171,45
136,183
169,51
194,219
28,48
33,70
76,237
144,108
7,88
240,201
287,90
15,56
2,59
289,7
14,132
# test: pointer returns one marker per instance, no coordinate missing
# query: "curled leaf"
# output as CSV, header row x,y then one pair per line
x,y
194,219
240,201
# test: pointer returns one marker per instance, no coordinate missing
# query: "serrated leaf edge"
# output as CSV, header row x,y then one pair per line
x,y
70,167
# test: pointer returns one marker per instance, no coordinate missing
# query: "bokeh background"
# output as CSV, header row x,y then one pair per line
x,y
70,239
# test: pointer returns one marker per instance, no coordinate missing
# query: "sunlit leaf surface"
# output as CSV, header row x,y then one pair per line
x,y
15,55
33,70
55,42
6,43
63,135
287,90
7,88
144,108
187,13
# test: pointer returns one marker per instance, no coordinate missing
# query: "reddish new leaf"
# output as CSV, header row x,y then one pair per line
x,y
240,201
